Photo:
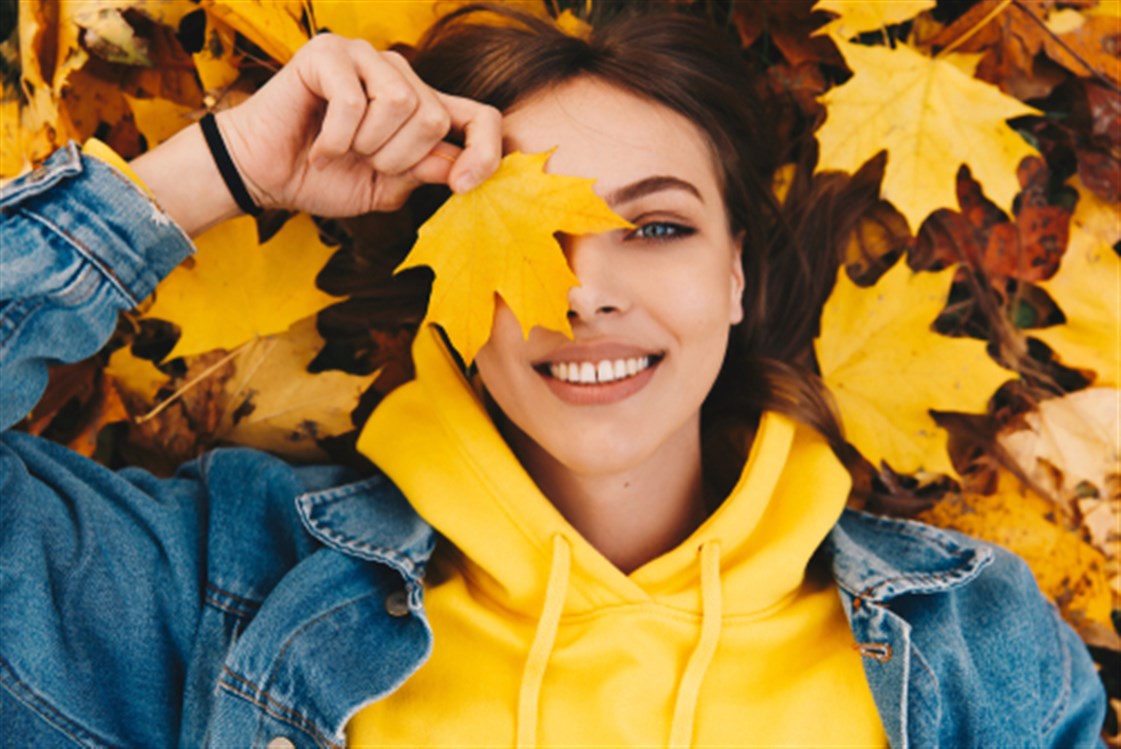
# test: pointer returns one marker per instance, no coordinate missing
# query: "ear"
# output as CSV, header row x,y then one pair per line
x,y
737,280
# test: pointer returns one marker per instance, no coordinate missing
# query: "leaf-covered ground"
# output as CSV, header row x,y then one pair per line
x,y
972,341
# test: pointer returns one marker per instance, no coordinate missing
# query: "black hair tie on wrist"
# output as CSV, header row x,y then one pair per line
x,y
226,165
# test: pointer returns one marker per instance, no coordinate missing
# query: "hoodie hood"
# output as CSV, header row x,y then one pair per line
x,y
536,613
477,495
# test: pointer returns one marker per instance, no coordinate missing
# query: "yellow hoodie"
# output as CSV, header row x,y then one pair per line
x,y
539,640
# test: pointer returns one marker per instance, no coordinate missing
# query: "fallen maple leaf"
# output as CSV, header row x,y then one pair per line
x,y
868,15
270,24
275,404
137,376
217,61
1076,434
1087,289
238,290
886,368
392,23
931,117
498,239
159,119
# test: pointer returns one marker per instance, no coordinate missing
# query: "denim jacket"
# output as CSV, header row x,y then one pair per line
x,y
246,601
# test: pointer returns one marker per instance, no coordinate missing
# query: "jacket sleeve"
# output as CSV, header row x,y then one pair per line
x,y
99,571
81,243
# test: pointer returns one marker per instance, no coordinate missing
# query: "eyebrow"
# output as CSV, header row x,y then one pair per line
x,y
649,185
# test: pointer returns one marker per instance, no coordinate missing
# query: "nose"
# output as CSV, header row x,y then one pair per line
x,y
601,290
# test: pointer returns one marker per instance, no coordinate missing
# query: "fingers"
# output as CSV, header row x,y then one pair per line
x,y
328,72
376,107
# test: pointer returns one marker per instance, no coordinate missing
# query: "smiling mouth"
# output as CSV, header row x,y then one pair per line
x,y
599,373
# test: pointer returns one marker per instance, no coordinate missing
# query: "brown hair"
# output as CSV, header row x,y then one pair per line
x,y
500,56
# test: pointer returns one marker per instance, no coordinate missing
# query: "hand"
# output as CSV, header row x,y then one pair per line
x,y
344,129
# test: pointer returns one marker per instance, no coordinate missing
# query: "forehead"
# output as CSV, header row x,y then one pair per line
x,y
611,135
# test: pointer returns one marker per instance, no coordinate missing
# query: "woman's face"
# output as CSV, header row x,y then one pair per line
x,y
652,313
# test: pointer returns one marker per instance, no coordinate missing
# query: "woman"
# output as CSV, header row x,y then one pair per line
x,y
599,577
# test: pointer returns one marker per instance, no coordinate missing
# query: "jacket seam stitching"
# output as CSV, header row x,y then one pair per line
x,y
86,253
249,607
261,699
264,691
54,717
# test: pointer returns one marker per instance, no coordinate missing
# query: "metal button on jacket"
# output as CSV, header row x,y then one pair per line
x,y
397,603
281,742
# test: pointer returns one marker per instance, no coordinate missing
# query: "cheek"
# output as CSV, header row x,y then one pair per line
x,y
497,358
699,308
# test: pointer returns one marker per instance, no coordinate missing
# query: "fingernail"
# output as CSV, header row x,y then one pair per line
x,y
466,182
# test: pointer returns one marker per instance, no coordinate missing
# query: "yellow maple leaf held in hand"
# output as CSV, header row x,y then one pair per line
x,y
498,239
857,16
1087,289
886,368
238,290
932,117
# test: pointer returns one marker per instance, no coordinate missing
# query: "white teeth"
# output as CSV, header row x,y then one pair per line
x,y
589,373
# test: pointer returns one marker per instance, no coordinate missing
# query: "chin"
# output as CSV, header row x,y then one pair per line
x,y
596,457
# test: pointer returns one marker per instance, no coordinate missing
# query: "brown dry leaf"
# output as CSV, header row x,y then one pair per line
x,y
1028,248
1076,434
790,25
106,408
90,101
1007,41
1069,571
275,404
1071,446
184,428
1091,46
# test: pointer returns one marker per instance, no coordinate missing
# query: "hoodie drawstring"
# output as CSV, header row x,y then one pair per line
x,y
685,710
543,640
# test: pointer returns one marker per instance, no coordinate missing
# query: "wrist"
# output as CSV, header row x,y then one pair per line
x,y
185,181
238,150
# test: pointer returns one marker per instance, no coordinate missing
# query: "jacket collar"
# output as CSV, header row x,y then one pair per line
x,y
372,520
874,558
877,558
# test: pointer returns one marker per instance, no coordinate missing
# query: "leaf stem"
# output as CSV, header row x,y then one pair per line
x,y
190,384
1102,77
976,27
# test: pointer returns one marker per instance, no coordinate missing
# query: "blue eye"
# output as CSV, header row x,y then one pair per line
x,y
661,230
